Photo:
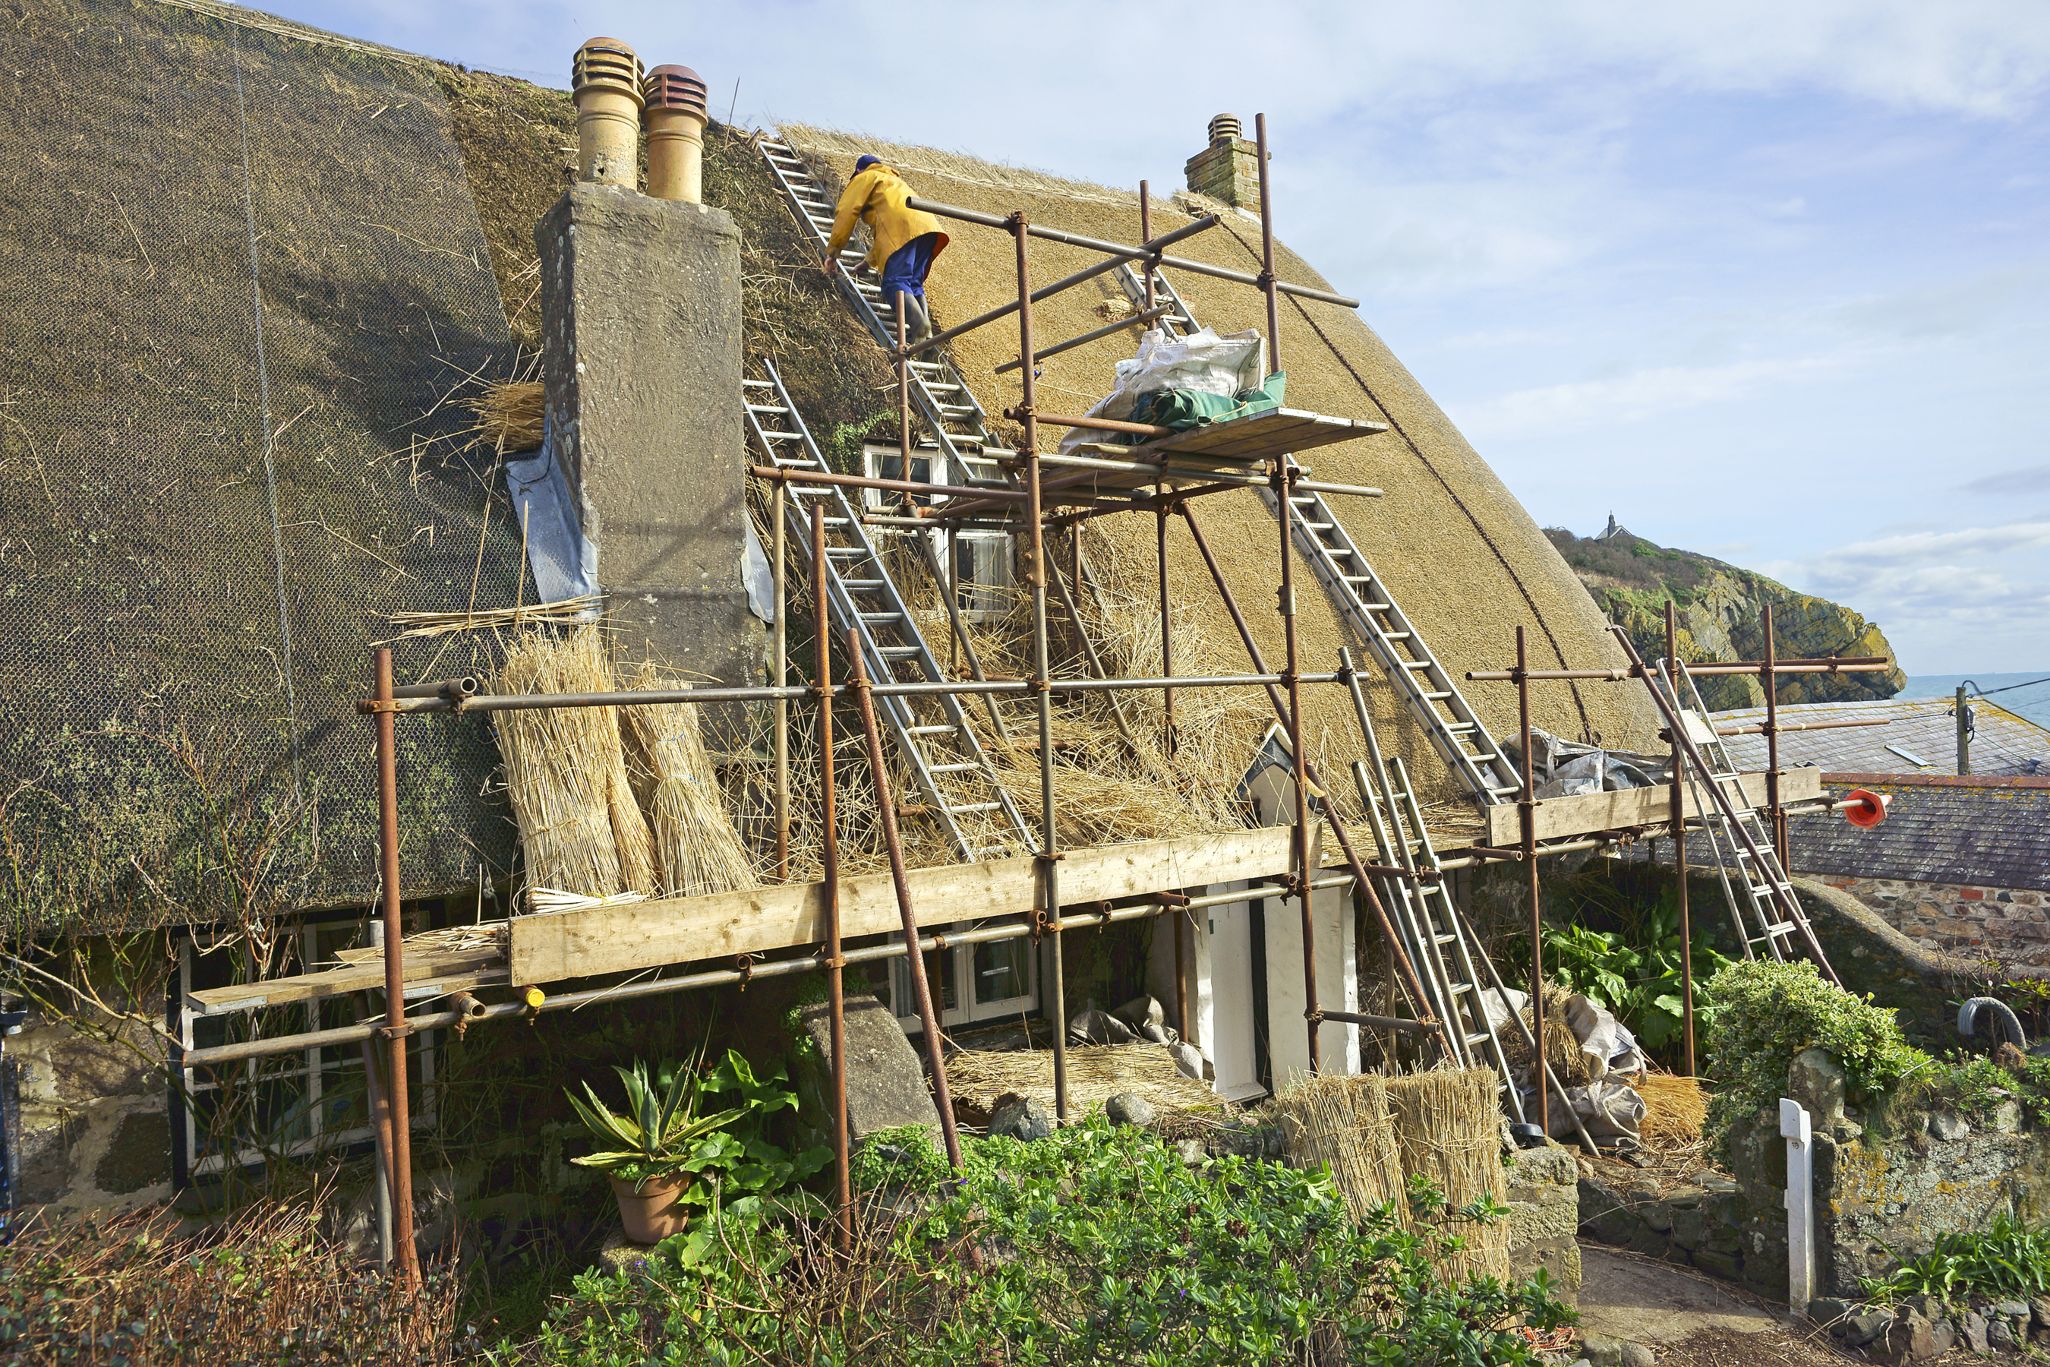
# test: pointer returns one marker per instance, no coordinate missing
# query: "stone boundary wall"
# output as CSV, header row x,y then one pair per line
x,y
1544,1216
2010,925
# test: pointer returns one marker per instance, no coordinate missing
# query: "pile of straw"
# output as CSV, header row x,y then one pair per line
x,y
1343,1124
566,774
979,1078
507,416
1448,1128
696,848
1674,1110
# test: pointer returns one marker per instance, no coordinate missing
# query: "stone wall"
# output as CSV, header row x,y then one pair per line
x,y
2010,926
95,1117
1544,1216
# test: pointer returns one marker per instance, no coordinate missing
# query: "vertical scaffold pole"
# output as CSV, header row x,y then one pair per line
x,y
397,1100
829,883
1036,574
1282,474
779,536
1527,806
1776,815
1679,811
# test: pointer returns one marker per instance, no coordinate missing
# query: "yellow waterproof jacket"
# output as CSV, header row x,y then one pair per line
x,y
877,197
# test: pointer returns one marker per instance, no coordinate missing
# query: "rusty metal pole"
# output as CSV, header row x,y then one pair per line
x,y
1404,965
779,510
1283,475
1527,809
1167,741
914,961
1776,815
829,884
1679,813
1036,575
1146,235
395,979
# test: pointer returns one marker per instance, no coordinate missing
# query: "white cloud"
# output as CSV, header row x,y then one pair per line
x,y
1631,397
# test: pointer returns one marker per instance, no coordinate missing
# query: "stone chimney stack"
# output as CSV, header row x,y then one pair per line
x,y
1229,168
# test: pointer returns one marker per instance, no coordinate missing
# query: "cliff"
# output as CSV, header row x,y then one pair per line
x,y
1719,615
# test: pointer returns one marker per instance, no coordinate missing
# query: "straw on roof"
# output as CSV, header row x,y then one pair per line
x,y
697,849
1343,1124
508,416
1448,1127
979,1078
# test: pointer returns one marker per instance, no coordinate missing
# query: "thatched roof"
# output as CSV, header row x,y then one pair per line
x,y
221,501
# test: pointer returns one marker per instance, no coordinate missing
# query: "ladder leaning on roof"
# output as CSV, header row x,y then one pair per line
x,y
1451,959
1737,833
948,762
959,426
1341,567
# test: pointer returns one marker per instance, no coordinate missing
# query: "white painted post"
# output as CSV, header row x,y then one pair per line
x,y
1794,1128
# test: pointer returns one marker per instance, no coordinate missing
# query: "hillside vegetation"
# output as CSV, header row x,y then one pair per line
x,y
1720,610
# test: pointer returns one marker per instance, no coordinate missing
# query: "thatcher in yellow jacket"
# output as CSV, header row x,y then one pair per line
x,y
877,196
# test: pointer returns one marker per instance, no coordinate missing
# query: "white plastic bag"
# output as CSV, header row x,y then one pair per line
x,y
1202,361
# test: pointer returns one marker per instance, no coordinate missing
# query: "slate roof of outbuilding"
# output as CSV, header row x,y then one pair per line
x,y
1940,828
2005,744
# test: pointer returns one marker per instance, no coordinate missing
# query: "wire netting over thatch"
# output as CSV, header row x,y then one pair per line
x,y
246,276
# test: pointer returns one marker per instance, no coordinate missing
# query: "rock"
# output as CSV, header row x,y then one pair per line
x,y
1828,1309
1943,1334
1947,1127
1024,1119
616,1254
1637,1355
1928,1307
2012,1309
1862,1326
1974,1324
2002,1336
1690,1227
1716,1263
885,1081
1816,1080
2039,1309
1129,1108
1657,1215
1910,1338
1192,1152
1600,1350
2006,1118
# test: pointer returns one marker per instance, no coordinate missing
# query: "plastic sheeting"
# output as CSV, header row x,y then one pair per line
x,y
1203,362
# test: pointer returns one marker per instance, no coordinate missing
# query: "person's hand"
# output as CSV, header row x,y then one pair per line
x,y
828,266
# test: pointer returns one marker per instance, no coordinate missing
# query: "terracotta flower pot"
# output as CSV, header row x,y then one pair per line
x,y
655,1212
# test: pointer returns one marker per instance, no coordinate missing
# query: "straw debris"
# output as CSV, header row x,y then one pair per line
x,y
981,1078
507,416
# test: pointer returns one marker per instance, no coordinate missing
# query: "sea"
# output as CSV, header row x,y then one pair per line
x,y
2031,701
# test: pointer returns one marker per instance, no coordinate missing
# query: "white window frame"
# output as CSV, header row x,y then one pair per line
x,y
317,938
968,1009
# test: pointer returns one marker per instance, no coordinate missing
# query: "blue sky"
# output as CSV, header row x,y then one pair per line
x,y
1770,281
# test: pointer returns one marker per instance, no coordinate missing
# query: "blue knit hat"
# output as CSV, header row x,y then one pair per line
x,y
866,160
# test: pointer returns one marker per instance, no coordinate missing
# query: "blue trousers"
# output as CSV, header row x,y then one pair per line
x,y
905,272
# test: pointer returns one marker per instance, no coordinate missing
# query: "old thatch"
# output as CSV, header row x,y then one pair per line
x,y
981,1078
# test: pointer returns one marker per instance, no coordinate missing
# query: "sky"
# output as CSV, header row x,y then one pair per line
x,y
1768,281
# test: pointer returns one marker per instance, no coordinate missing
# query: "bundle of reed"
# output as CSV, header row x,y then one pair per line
x,y
1674,1110
1570,1063
565,773
697,849
563,612
507,416
1342,1123
1448,1128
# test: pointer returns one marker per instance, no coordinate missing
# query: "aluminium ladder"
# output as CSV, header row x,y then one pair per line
x,y
1775,908
1453,961
1423,683
948,762
959,426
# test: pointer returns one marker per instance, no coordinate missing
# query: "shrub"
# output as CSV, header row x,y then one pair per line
x,y
2009,1260
1098,1245
1768,1012
267,1287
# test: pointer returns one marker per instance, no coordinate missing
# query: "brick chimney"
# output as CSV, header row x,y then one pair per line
x,y
1229,168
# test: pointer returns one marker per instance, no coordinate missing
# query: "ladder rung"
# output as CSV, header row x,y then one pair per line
x,y
961,768
935,729
971,807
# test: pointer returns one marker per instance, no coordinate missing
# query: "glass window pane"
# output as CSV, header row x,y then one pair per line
x,y
1000,970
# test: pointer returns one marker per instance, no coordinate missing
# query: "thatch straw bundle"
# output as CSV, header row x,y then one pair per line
x,y
696,848
507,416
1448,1127
1343,1124
1674,1110
566,775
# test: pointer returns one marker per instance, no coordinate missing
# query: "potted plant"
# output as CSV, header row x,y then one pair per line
x,y
651,1149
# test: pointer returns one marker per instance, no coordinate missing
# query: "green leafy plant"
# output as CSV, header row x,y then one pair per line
x,y
742,1162
660,1134
1635,972
1096,1245
2009,1259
